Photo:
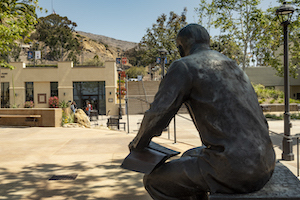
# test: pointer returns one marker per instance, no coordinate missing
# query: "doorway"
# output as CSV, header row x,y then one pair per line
x,y
92,91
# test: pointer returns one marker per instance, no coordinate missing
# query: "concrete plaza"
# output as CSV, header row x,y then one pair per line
x,y
29,156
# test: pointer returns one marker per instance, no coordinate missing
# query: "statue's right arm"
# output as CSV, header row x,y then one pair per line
x,y
173,91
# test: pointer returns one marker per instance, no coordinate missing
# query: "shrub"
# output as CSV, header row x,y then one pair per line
x,y
53,102
28,104
272,101
294,101
272,116
295,116
67,118
96,61
64,104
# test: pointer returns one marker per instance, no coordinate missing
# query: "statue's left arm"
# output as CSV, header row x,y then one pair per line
x,y
173,91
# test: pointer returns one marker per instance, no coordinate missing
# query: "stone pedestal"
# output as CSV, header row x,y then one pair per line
x,y
283,185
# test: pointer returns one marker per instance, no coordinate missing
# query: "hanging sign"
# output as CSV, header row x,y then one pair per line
x,y
37,55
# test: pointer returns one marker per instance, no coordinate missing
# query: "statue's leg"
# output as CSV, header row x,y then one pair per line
x,y
177,179
193,152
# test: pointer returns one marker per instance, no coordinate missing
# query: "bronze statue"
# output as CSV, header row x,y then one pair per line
x,y
238,155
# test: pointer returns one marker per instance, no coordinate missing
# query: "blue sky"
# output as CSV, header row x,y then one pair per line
x,y
123,20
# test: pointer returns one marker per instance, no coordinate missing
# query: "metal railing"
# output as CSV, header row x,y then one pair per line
x,y
297,136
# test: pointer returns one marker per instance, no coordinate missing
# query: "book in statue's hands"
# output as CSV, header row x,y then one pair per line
x,y
148,159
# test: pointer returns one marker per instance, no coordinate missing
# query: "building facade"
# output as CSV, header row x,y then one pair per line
x,y
67,82
267,77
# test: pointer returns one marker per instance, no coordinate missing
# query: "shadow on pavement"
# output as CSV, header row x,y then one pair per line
x,y
106,181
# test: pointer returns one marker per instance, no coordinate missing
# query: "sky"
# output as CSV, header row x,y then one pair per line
x,y
123,20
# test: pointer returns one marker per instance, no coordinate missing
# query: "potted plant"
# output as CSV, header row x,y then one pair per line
x,y
123,92
28,104
53,102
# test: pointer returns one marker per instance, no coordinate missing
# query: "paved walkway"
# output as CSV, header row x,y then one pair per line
x,y
30,156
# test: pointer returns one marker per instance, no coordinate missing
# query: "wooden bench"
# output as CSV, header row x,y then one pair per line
x,y
283,185
33,118
94,116
113,121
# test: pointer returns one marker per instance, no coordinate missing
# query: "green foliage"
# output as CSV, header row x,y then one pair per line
x,y
295,116
227,46
272,101
56,33
67,118
96,61
133,72
64,104
274,95
238,19
17,20
122,81
264,93
39,65
273,116
29,104
258,33
294,101
162,35
53,102
136,56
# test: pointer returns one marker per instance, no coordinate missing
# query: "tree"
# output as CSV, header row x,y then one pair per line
x,y
133,72
134,56
260,33
17,19
237,18
162,35
56,33
227,46
269,44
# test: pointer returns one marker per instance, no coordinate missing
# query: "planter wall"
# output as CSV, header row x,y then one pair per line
x,y
50,117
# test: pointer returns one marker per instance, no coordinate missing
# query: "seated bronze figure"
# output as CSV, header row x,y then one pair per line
x,y
238,155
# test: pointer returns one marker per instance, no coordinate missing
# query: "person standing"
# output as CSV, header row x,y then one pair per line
x,y
88,108
73,106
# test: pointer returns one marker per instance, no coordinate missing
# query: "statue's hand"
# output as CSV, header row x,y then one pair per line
x,y
132,147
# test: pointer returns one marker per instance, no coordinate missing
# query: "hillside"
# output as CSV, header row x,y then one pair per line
x,y
105,48
111,42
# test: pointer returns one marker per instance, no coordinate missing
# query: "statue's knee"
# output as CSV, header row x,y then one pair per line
x,y
149,180
193,152
146,180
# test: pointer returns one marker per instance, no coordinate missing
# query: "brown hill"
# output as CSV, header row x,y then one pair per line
x,y
105,48
111,42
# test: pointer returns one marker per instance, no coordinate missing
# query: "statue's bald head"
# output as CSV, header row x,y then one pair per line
x,y
191,35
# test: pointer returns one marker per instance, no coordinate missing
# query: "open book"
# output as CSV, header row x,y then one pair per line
x,y
147,160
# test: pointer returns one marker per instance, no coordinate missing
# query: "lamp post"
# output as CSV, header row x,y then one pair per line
x,y
285,12
162,53
120,106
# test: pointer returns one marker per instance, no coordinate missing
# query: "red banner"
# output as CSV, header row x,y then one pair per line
x,y
124,60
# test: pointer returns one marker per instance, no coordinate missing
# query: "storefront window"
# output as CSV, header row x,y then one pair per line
x,y
92,91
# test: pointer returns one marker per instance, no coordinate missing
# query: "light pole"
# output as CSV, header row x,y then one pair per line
x,y
162,53
120,106
284,13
